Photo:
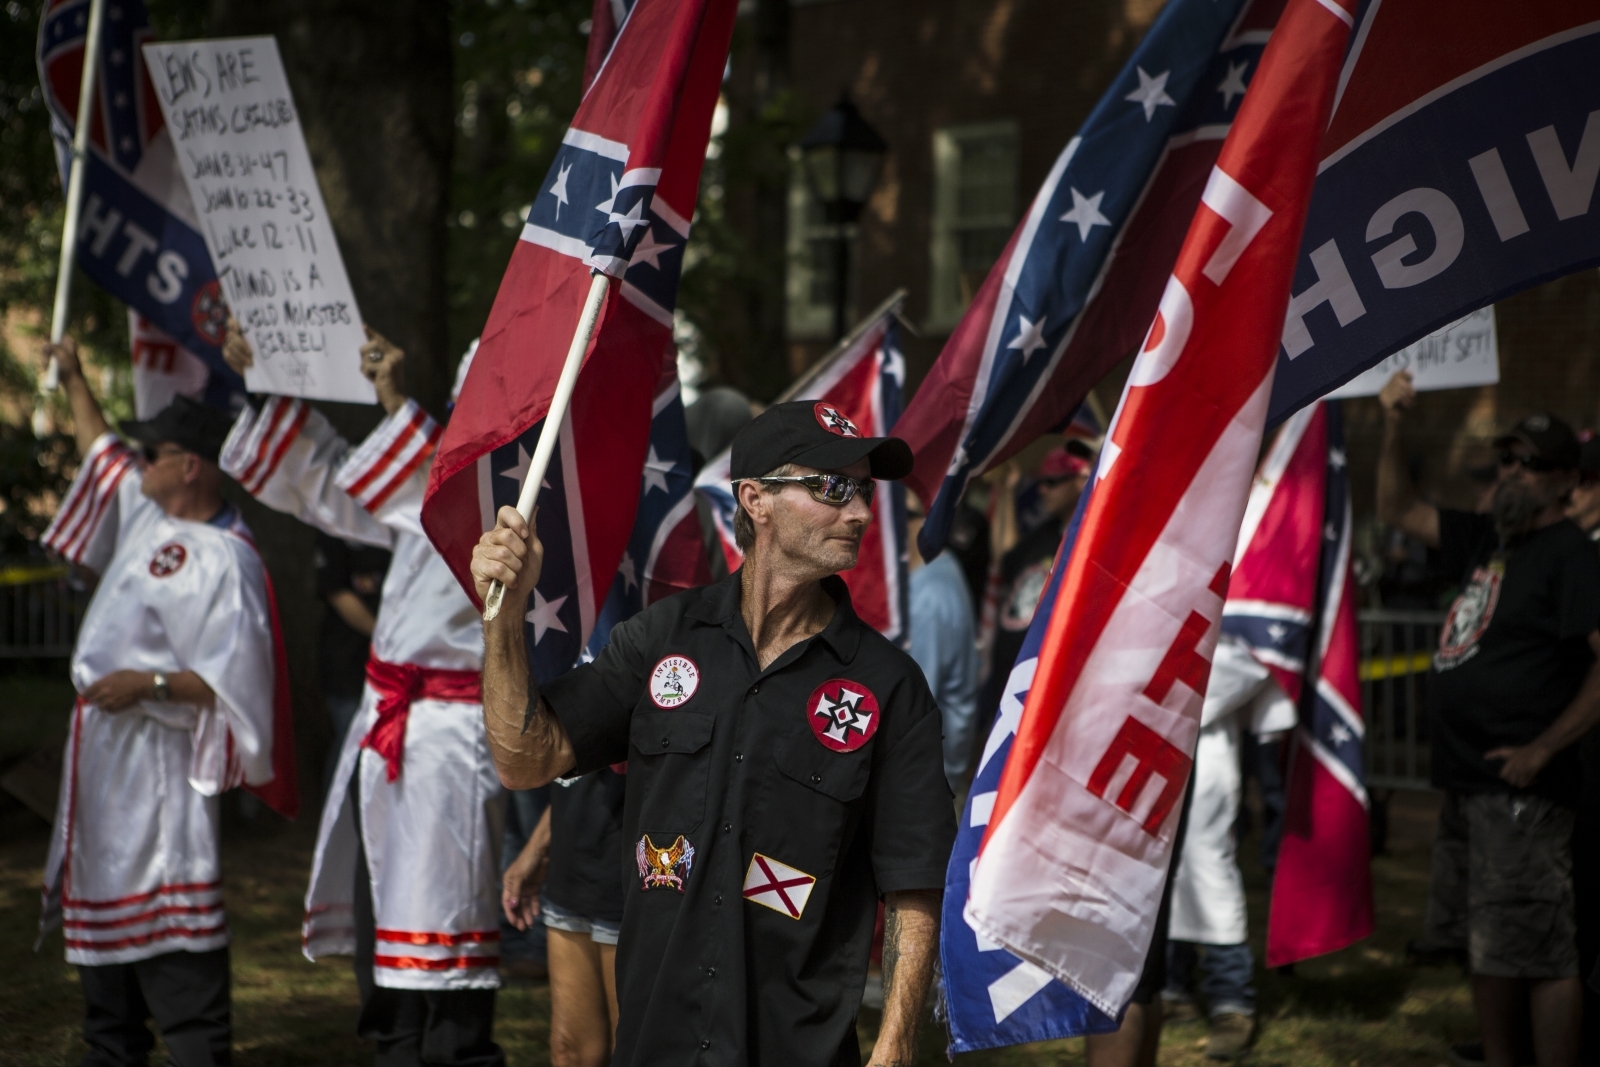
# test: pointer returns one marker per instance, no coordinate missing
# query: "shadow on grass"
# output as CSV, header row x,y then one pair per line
x,y
1369,994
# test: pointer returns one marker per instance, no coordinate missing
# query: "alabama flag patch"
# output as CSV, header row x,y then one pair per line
x,y
777,885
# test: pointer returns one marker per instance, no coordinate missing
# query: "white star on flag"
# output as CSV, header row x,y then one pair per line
x,y
844,715
1276,631
629,573
1031,337
604,206
629,222
1336,458
1152,93
656,470
1233,84
520,471
894,365
650,249
559,189
777,886
1085,213
1340,734
1330,532
543,616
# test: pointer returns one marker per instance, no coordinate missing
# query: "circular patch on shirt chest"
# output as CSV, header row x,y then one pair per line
x,y
673,681
168,558
843,714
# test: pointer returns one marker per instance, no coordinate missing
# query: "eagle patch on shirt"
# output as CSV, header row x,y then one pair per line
x,y
168,559
777,885
664,868
842,714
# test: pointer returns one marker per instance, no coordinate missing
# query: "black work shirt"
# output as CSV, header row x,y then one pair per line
x,y
1513,651
805,791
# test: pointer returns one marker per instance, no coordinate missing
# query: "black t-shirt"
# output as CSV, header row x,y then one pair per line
x,y
587,854
1513,651
766,813
359,568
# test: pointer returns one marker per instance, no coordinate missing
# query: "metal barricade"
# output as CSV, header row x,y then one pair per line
x,y
1396,657
40,609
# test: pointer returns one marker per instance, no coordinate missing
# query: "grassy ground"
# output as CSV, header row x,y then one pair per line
x,y
1358,1007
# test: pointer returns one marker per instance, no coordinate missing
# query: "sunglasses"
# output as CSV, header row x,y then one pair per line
x,y
835,489
1532,463
153,454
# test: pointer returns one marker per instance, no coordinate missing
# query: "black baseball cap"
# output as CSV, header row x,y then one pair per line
x,y
187,423
1551,440
813,433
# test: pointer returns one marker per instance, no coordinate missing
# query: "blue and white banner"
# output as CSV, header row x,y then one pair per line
x,y
138,238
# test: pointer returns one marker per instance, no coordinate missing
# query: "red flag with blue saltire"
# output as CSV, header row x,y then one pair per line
x,y
1079,843
1292,601
617,199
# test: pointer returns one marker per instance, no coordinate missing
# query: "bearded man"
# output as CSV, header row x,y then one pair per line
x,y
1514,685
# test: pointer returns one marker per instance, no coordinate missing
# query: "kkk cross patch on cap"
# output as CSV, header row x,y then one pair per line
x,y
833,420
673,681
168,558
843,714
777,885
664,868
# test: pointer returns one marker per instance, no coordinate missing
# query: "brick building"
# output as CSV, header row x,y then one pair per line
x,y
975,99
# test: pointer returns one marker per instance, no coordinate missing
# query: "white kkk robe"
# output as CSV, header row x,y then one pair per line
x,y
133,869
432,837
1207,887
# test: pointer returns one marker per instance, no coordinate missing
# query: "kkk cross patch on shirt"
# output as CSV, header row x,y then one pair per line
x,y
843,714
777,885
664,868
834,421
168,558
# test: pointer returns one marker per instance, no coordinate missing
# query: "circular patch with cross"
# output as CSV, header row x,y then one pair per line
x,y
674,681
168,558
843,714
833,420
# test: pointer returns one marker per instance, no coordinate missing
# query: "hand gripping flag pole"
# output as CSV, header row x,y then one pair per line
x,y
551,432
80,153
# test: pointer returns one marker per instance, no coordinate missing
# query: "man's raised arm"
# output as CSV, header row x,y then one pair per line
x,y
529,746
1397,499
88,422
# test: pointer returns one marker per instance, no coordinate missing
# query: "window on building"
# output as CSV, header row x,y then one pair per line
x,y
974,212
811,255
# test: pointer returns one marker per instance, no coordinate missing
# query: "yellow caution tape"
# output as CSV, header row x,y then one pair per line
x,y
1373,670
28,575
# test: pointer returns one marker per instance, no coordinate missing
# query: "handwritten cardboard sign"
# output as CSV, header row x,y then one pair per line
x,y
243,156
1463,353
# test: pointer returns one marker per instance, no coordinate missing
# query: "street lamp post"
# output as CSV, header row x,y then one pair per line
x,y
842,156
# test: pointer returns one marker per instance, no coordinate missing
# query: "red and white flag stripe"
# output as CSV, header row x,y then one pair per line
x,y
1080,840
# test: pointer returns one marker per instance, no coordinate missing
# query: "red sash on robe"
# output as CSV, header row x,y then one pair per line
x,y
397,686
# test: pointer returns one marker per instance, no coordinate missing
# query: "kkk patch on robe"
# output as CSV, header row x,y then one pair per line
x,y
664,868
843,714
833,420
168,558
673,681
777,886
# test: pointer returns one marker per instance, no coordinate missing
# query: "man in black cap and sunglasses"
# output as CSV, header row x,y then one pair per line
x,y
1515,683
784,769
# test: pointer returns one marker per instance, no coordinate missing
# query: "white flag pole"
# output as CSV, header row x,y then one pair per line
x,y
553,420
80,152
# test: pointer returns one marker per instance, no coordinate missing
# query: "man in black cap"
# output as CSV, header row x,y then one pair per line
x,y
177,701
1514,685
784,769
